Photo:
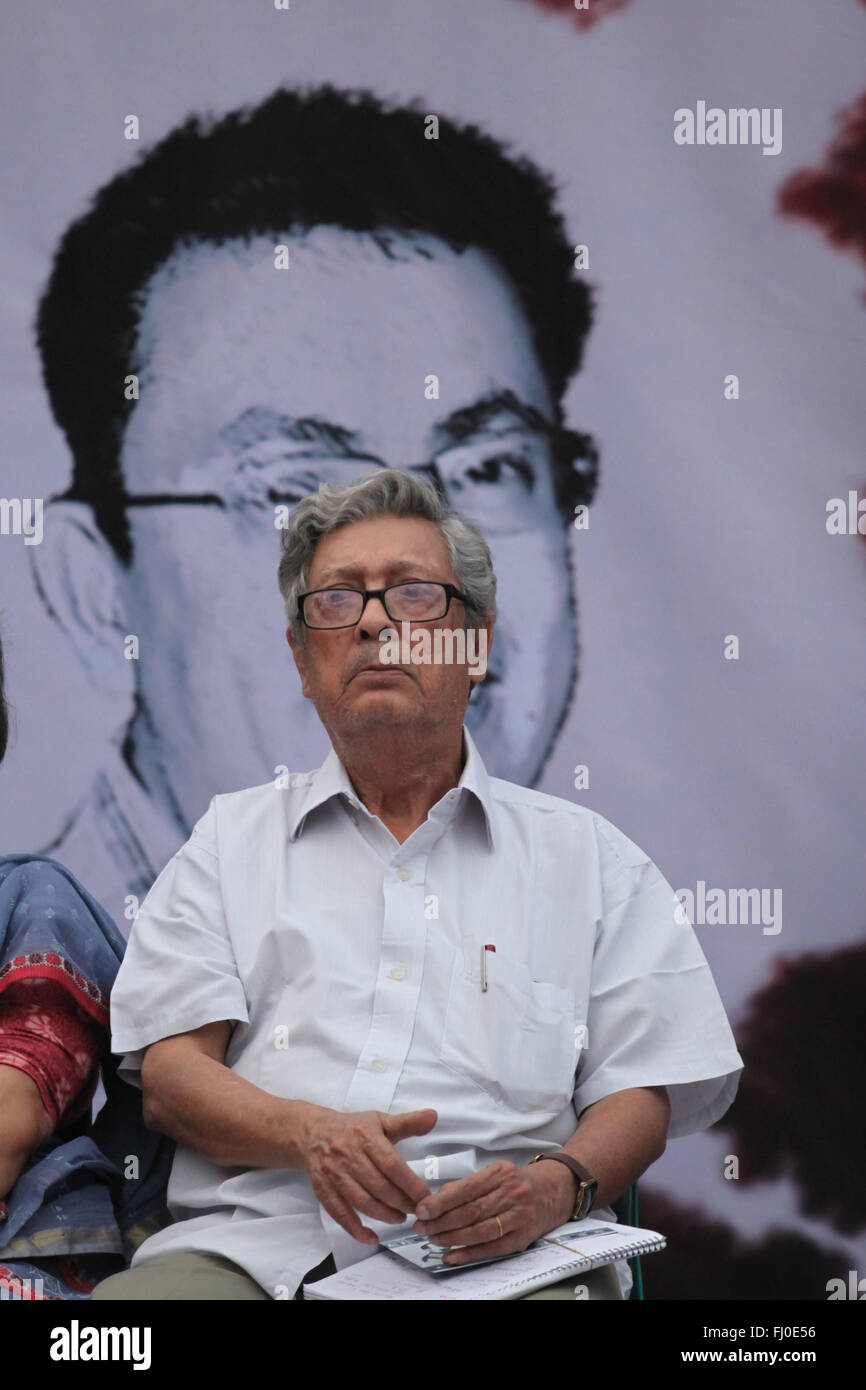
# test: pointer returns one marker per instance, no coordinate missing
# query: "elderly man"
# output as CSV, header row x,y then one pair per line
x,y
379,991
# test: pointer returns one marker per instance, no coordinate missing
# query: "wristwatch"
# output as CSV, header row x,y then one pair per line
x,y
587,1185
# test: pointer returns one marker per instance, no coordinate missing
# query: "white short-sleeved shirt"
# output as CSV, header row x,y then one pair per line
x,y
349,966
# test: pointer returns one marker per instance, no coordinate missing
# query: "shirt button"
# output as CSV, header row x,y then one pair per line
x,y
398,973
379,1065
403,874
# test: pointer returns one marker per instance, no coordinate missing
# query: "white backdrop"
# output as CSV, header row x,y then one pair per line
x,y
710,517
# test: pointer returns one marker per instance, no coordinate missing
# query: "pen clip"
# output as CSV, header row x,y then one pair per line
x,y
484,950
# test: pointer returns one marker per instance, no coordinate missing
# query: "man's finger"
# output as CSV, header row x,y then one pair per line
x,y
355,1195
374,1181
345,1216
397,1170
408,1124
462,1190
467,1252
464,1214
484,1232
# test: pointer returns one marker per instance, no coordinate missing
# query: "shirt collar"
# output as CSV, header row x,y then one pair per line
x,y
332,779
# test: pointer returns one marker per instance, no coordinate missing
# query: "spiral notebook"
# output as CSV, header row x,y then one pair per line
x,y
410,1267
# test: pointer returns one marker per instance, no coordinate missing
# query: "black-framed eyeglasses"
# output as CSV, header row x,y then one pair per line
x,y
418,601
493,480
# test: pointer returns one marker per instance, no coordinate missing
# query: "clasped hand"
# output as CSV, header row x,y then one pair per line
x,y
354,1167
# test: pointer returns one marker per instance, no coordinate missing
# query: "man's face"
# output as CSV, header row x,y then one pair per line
x,y
255,384
354,701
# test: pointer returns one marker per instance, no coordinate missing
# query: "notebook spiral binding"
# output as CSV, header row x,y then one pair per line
x,y
637,1247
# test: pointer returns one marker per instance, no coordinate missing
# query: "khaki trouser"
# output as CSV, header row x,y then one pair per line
x,y
194,1274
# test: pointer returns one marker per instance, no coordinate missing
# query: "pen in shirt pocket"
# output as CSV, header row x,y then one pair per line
x,y
484,966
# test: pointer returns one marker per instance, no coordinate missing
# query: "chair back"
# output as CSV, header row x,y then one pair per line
x,y
626,1210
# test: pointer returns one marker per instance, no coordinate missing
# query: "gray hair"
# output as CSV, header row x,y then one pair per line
x,y
384,492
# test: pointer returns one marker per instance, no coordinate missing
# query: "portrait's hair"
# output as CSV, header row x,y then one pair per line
x,y
4,713
301,158
384,492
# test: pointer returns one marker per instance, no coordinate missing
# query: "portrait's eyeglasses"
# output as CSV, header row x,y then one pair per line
x,y
420,601
497,481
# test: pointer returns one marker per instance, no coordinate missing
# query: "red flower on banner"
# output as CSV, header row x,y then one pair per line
x,y
584,18
833,196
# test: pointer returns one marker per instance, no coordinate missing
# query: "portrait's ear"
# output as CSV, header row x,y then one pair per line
x,y
300,661
577,476
77,577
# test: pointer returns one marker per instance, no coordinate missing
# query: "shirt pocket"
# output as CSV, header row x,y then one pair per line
x,y
516,1040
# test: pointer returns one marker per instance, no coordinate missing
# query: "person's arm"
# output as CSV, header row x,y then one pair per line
x,y
190,1095
616,1140
353,1164
26,1123
47,1076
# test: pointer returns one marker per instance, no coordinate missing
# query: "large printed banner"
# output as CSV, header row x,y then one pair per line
x,y
597,269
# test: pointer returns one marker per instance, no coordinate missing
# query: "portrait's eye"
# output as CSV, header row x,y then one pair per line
x,y
289,485
500,468
286,479
493,478
502,484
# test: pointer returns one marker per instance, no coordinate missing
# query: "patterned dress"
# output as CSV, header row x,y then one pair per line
x,y
93,1190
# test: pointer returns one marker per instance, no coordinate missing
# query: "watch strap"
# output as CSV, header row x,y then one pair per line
x,y
584,1178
